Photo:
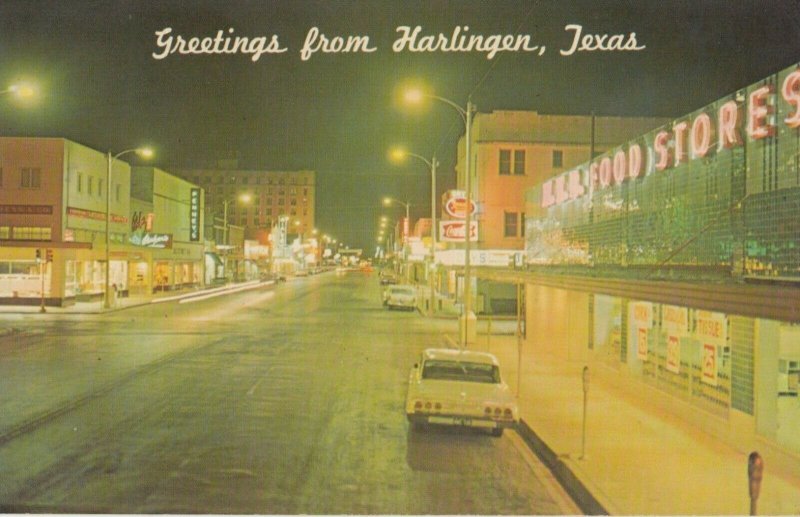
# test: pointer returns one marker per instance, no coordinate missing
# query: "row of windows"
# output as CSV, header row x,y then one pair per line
x,y
513,162
267,212
28,177
93,186
245,180
26,233
232,190
269,201
514,224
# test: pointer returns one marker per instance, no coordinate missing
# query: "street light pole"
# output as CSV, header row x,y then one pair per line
x,y
468,222
416,95
432,164
110,160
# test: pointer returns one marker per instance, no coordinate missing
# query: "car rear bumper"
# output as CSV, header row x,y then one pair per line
x,y
460,421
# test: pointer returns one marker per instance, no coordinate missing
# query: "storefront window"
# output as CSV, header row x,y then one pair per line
x,y
22,279
70,283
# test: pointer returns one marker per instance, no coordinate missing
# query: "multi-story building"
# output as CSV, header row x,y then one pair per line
x,y
515,150
255,199
673,263
53,196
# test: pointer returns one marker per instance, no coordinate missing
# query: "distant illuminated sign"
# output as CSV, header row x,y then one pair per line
x,y
194,215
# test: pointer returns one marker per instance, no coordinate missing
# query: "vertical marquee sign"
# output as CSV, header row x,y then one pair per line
x,y
194,215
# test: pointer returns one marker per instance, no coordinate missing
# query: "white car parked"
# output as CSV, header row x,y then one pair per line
x,y
400,296
460,388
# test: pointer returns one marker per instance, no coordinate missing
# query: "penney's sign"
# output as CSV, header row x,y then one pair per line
x,y
686,140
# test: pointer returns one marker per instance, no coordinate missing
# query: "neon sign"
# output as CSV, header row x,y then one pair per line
x,y
685,141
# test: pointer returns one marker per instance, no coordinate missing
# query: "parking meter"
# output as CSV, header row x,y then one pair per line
x,y
755,473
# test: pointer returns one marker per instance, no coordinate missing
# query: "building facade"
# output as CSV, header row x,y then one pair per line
x,y
53,195
256,199
673,262
515,150
167,218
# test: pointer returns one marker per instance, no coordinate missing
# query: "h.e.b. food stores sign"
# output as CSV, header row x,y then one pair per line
x,y
686,140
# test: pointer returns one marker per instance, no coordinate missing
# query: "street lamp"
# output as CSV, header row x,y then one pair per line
x,y
387,201
21,90
398,154
144,152
415,96
243,198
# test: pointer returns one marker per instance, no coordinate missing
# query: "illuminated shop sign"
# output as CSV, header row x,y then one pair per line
x,y
97,216
194,215
151,240
455,231
142,221
685,141
455,204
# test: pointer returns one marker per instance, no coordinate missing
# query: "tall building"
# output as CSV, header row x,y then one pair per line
x,y
514,150
255,199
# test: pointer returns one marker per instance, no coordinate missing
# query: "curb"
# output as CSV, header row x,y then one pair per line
x,y
585,500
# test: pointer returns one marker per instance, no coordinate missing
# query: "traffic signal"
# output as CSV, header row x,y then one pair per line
x,y
38,255
49,255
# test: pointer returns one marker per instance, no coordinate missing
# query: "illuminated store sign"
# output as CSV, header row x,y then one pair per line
x,y
685,141
194,215
455,204
151,240
455,231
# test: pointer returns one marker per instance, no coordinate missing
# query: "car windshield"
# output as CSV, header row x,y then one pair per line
x,y
460,371
403,291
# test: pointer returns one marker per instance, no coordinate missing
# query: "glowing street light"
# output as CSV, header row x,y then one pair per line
x,y
415,96
144,152
21,90
399,155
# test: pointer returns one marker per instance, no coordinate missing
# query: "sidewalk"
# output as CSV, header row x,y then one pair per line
x,y
638,460
96,306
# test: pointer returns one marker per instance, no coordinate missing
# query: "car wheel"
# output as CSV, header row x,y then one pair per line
x,y
497,432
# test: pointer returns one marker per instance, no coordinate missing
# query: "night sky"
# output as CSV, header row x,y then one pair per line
x,y
336,113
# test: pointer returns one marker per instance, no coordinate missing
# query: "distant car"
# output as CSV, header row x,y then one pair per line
x,y
388,279
460,388
400,296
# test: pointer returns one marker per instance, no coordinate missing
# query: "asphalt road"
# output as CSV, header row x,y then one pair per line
x,y
287,399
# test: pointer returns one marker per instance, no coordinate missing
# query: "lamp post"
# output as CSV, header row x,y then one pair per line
x,y
415,96
243,198
399,154
145,153
387,201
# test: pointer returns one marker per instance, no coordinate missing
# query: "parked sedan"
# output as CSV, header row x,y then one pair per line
x,y
460,388
400,296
